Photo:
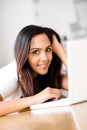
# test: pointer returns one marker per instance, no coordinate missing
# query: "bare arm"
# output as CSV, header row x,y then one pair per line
x,y
64,81
59,50
61,53
1,99
7,107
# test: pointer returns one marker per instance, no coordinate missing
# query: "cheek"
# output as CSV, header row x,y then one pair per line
x,y
32,61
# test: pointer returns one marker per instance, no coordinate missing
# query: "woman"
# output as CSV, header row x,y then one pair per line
x,y
39,56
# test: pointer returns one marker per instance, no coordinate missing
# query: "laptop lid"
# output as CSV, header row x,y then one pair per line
x,y
77,70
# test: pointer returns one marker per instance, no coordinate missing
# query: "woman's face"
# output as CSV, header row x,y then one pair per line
x,y
40,55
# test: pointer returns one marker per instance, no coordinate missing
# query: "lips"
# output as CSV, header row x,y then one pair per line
x,y
43,66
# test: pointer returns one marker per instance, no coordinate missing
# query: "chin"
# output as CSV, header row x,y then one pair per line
x,y
43,73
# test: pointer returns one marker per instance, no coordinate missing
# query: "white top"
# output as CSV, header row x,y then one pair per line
x,y
8,82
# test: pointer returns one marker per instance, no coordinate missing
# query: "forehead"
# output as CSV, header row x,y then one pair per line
x,y
39,41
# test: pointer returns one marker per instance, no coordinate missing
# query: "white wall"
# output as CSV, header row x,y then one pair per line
x,y
57,14
14,14
81,13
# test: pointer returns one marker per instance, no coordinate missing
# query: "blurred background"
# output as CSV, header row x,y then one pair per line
x,y
67,17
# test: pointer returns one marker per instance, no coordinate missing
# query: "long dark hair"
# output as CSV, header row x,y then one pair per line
x,y
28,84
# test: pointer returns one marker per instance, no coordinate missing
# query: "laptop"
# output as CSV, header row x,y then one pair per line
x,y
77,76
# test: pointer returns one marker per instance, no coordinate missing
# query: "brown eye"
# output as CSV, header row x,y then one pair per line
x,y
36,52
48,49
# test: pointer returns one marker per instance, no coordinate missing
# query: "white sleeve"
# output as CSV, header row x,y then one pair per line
x,y
8,79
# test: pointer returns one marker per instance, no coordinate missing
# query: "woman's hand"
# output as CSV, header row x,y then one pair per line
x,y
59,50
47,94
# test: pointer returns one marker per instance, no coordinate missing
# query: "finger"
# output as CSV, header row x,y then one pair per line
x,y
63,96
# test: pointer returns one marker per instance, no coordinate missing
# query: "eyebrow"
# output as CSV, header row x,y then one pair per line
x,y
39,48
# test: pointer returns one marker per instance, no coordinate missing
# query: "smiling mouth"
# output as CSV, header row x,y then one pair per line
x,y
43,66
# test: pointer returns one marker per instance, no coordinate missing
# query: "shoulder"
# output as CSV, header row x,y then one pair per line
x,y
8,71
8,79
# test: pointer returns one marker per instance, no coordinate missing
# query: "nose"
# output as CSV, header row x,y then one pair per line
x,y
43,56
